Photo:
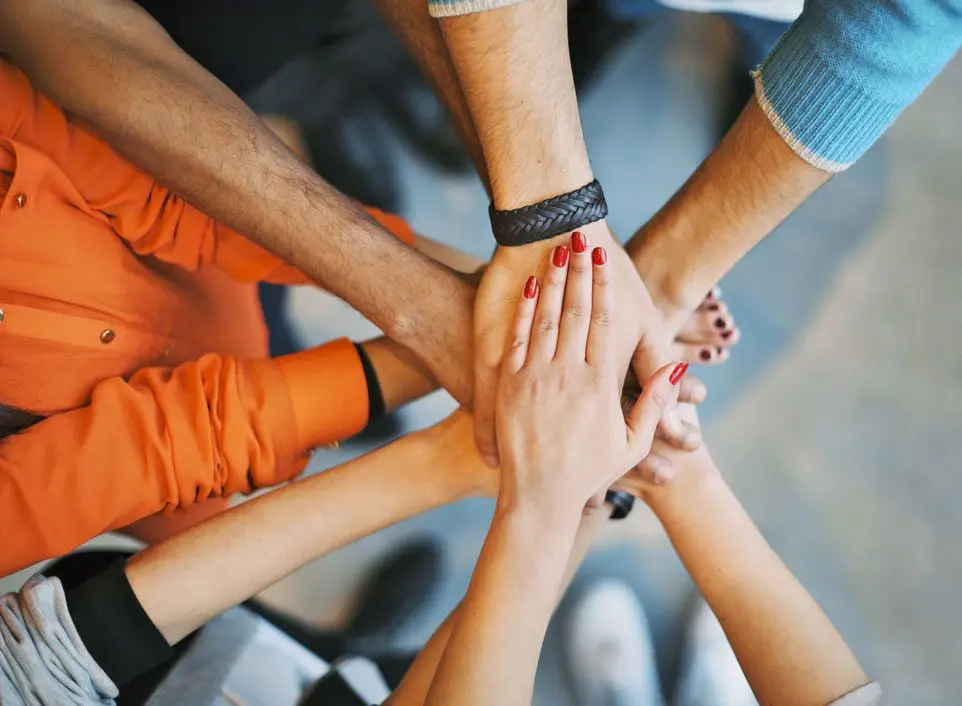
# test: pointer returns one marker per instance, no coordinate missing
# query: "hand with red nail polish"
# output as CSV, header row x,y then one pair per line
x,y
562,435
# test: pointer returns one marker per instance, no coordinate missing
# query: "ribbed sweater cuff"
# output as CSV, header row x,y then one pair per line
x,y
825,119
453,8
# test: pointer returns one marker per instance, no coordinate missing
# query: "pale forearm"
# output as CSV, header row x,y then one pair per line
x,y
788,648
185,581
414,688
743,190
500,627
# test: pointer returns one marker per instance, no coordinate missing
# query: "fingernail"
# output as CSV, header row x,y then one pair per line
x,y
678,373
720,323
727,334
713,307
492,461
719,350
560,256
531,288
578,242
705,354
599,256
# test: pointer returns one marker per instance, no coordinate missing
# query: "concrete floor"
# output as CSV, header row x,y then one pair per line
x,y
838,419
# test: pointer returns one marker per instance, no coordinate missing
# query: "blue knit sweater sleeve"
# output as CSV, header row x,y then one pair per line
x,y
845,69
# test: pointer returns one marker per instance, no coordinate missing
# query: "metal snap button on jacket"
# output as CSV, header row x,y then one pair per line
x,y
107,335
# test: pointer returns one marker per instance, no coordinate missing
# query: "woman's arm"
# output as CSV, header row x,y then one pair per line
x,y
413,689
788,648
187,580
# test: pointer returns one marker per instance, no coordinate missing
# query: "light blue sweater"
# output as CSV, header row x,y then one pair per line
x,y
842,73
840,76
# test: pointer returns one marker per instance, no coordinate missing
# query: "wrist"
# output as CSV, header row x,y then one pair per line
x,y
534,516
692,490
597,233
436,458
674,290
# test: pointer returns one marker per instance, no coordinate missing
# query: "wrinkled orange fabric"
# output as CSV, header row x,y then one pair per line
x,y
131,320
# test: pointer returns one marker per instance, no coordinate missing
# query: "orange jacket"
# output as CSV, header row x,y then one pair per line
x,y
132,320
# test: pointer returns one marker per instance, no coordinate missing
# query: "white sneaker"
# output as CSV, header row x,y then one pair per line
x,y
710,674
611,659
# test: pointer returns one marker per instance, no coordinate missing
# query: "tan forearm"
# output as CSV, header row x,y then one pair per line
x,y
740,193
185,581
514,69
788,648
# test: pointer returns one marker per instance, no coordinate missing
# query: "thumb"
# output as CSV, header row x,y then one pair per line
x,y
660,392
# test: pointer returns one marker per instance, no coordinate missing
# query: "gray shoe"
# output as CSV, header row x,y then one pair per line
x,y
710,673
610,655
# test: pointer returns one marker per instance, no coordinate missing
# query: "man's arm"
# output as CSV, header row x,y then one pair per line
x,y
108,63
185,581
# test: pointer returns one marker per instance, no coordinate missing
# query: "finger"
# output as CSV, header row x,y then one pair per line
x,y
544,335
705,326
704,355
601,331
519,340
485,393
714,293
661,391
686,436
691,391
655,468
573,333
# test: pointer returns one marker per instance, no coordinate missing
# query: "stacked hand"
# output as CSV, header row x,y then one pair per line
x,y
639,340
561,432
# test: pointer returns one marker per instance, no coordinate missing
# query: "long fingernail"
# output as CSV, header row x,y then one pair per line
x,y
531,288
560,256
599,256
578,242
678,373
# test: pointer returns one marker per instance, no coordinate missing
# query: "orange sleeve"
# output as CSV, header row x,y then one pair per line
x,y
153,219
169,437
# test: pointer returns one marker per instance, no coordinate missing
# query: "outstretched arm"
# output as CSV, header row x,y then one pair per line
x,y
185,581
111,65
788,648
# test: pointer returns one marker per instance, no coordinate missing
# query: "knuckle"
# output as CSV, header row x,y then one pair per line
x,y
517,343
601,317
575,310
547,325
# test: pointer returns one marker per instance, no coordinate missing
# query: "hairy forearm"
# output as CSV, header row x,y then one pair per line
x,y
185,581
421,36
500,627
743,190
788,648
515,72
111,65
414,688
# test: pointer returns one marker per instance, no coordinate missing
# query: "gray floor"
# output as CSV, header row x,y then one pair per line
x,y
839,419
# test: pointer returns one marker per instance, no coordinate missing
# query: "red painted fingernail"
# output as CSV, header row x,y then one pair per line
x,y
599,256
713,307
720,323
578,242
560,256
678,373
705,354
727,334
531,288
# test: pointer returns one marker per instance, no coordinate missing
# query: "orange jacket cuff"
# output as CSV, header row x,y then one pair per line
x,y
328,392
394,223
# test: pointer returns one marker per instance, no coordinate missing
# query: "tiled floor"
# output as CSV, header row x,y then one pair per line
x,y
839,418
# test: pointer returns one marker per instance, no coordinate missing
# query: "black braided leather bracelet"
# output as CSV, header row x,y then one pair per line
x,y
551,217
622,502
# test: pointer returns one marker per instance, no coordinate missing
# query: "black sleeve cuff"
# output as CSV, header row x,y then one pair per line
x,y
114,627
375,398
